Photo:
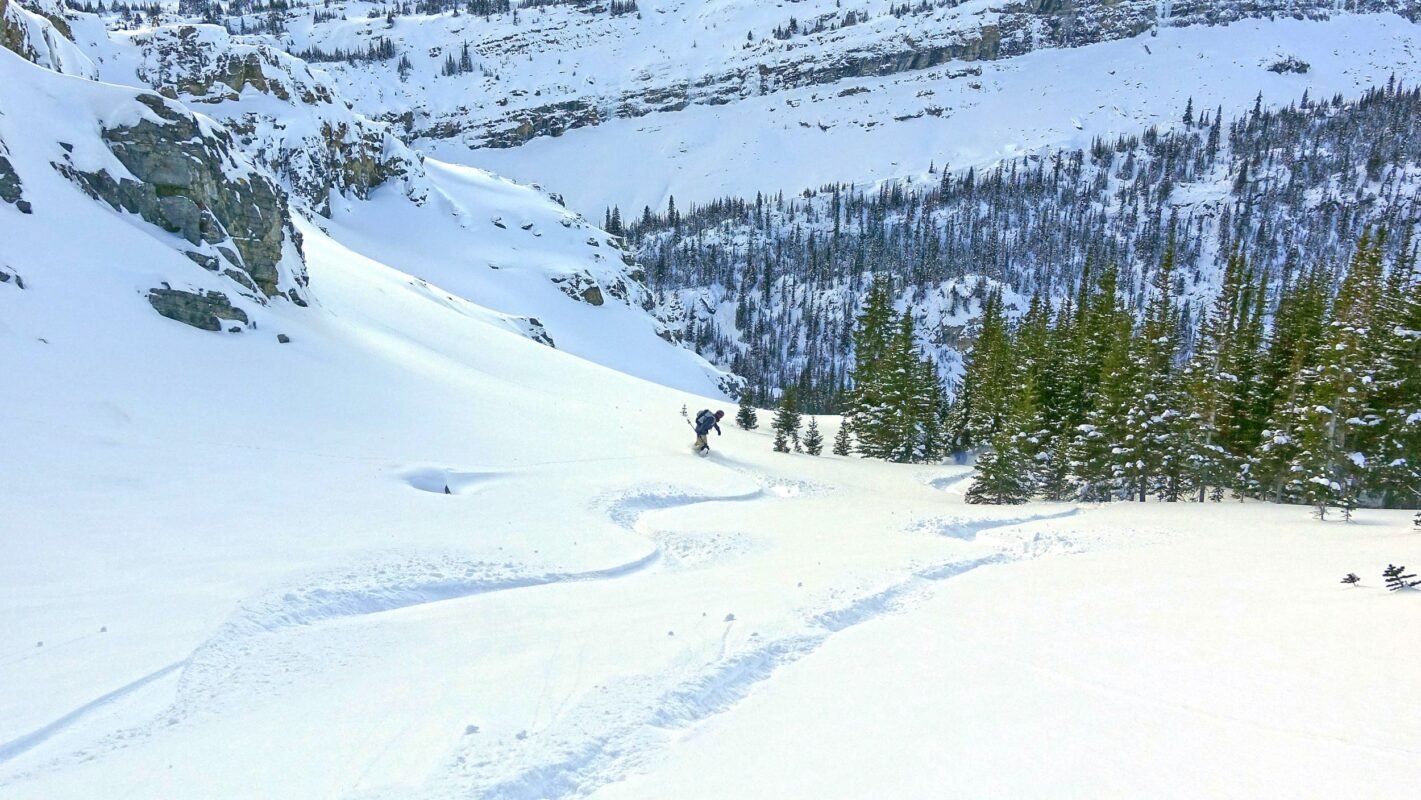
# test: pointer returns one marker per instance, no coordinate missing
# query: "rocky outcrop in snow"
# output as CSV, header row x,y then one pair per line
x,y
186,181
39,33
288,117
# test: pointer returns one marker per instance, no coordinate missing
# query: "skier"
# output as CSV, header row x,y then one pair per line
x,y
705,420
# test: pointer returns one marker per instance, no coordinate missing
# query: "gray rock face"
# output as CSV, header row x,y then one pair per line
x,y
11,190
189,184
581,286
9,277
338,151
206,311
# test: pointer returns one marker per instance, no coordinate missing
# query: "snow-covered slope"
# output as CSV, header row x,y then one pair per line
x,y
865,129
699,100
525,261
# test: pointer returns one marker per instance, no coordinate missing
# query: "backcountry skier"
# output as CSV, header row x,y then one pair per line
x,y
705,420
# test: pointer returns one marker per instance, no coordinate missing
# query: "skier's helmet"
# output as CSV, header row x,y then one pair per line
x,y
719,414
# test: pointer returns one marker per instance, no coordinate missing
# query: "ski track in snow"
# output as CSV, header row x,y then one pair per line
x,y
357,590
601,757
967,529
553,765
947,481
23,744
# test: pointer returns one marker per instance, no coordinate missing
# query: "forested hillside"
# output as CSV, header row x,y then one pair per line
x,y
769,286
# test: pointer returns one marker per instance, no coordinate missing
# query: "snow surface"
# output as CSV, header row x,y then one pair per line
x,y
249,581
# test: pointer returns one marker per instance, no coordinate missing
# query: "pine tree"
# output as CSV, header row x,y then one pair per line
x,y
1216,386
1096,443
786,422
1149,454
813,440
1352,579
745,415
1333,422
1397,578
1003,474
1054,471
873,332
842,445
983,400
1291,354
1399,384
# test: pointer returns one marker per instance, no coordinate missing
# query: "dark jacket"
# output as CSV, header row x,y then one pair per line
x,y
705,421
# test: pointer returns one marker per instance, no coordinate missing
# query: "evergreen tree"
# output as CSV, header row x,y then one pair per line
x,y
1397,578
1399,384
983,399
1149,455
842,445
745,415
1291,353
781,444
1054,470
1003,474
872,334
1094,446
1216,386
1333,422
813,440
786,422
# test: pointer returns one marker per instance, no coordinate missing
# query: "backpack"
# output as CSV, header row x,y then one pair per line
x,y
702,422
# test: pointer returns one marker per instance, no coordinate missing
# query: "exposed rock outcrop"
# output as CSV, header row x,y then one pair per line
x,y
188,183
314,143
11,190
204,310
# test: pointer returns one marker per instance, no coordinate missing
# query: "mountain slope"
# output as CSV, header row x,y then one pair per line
x,y
287,146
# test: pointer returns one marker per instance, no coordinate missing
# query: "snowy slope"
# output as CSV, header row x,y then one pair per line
x,y
861,130
1165,659
516,252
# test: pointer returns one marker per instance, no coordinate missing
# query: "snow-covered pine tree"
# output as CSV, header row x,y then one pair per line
x,y
1054,471
1149,457
842,444
1397,578
1215,391
1291,353
1335,418
745,415
1352,579
984,396
873,332
1098,442
813,440
781,443
1003,475
1399,383
787,420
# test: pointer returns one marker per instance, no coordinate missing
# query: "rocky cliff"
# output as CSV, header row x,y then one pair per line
x,y
284,114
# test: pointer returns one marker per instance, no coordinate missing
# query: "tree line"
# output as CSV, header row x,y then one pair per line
x,y
769,286
1318,402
